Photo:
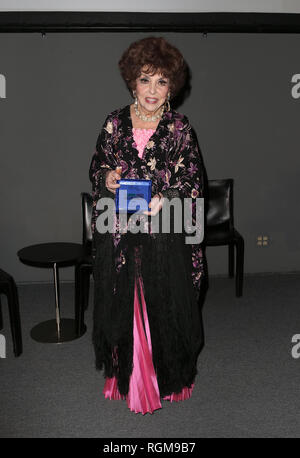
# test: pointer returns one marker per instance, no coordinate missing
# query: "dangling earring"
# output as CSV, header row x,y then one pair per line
x,y
135,100
167,103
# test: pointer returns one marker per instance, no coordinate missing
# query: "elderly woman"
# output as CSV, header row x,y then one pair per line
x,y
147,331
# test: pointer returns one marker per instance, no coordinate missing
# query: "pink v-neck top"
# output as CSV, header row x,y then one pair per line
x,y
141,137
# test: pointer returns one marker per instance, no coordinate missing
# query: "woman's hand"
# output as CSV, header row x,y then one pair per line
x,y
111,180
155,205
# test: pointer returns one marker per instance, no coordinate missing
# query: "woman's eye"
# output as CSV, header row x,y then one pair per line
x,y
163,83
143,80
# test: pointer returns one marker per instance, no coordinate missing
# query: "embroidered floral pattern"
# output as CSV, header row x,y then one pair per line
x,y
152,163
171,159
179,164
150,144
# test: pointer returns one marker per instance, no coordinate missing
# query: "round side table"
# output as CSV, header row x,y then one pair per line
x,y
54,255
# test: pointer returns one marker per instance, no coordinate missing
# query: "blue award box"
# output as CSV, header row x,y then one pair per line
x,y
133,195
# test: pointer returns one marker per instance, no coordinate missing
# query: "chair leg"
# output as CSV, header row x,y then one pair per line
x,y
78,300
14,316
239,266
86,288
82,279
81,298
231,260
1,316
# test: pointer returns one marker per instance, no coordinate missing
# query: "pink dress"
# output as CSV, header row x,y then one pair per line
x,y
143,395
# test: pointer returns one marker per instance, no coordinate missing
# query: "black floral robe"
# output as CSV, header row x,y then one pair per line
x,y
172,271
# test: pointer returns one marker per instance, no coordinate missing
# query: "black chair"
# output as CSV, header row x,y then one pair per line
x,y
9,288
84,268
219,227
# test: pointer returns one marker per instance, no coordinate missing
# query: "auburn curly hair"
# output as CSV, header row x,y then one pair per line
x,y
158,56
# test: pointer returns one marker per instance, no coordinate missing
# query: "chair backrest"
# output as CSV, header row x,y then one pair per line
x,y
219,210
87,208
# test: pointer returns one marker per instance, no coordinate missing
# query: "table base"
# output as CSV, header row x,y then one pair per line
x,y
46,332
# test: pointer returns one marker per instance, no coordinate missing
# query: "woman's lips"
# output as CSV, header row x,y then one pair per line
x,y
150,100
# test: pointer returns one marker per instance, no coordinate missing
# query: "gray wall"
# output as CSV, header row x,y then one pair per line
x,y
59,90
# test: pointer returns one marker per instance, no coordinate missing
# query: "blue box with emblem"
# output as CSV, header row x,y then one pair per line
x,y
133,195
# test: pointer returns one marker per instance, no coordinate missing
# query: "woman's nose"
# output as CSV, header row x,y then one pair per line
x,y
152,88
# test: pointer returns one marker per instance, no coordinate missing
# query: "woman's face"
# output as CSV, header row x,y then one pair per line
x,y
151,92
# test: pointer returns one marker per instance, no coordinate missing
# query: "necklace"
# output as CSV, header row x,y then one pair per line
x,y
146,118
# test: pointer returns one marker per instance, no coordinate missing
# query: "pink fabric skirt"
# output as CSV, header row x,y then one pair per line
x,y
143,395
